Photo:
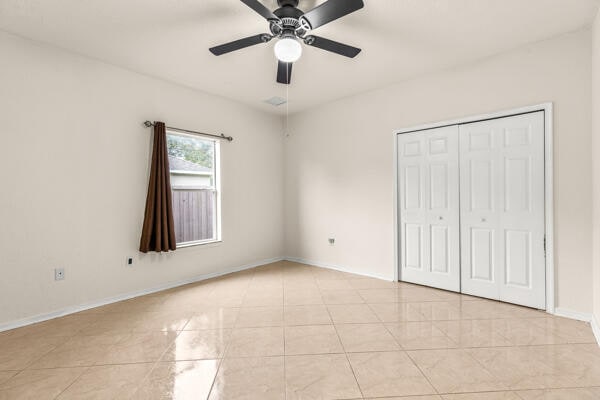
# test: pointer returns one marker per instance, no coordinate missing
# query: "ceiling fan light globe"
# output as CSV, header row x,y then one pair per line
x,y
288,50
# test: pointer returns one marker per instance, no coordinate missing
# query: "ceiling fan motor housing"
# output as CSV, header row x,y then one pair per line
x,y
289,20
284,3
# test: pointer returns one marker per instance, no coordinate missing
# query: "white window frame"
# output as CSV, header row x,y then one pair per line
x,y
216,187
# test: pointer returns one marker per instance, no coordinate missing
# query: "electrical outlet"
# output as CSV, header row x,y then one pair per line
x,y
332,241
59,274
129,261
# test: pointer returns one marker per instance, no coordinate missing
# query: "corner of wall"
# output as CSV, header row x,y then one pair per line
x,y
596,328
596,174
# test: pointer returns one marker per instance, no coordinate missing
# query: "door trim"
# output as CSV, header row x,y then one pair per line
x,y
548,184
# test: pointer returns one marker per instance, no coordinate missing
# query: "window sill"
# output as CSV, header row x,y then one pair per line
x,y
211,243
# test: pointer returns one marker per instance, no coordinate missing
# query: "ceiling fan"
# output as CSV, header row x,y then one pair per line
x,y
290,25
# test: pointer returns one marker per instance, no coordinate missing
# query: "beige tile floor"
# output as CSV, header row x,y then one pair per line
x,y
290,331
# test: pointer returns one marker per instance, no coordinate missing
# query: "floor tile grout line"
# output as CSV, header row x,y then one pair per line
x,y
362,395
225,350
327,324
515,391
154,364
322,324
482,365
46,353
445,334
122,363
332,353
410,358
505,347
518,395
85,370
519,390
383,322
474,318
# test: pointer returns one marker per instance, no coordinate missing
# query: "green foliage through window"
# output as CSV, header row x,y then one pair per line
x,y
198,151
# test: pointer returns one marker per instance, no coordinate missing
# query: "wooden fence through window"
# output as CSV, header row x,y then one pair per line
x,y
194,214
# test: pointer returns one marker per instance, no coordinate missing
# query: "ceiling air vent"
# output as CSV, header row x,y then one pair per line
x,y
276,101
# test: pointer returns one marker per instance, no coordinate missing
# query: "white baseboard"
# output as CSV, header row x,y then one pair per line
x,y
126,296
563,312
596,328
335,267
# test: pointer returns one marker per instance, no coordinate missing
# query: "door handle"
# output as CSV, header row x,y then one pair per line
x,y
483,220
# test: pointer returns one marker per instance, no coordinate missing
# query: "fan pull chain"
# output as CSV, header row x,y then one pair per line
x,y
287,105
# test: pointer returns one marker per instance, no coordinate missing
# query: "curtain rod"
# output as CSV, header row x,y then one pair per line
x,y
148,124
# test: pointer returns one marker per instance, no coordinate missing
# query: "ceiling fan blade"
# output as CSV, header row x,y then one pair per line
x,y
261,9
240,44
284,72
333,46
330,11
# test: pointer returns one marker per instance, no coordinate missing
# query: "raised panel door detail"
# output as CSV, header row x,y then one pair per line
x,y
517,186
481,185
438,146
482,263
439,249
517,137
480,141
412,149
412,187
439,186
518,258
412,237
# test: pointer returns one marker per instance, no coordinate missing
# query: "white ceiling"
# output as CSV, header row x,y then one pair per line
x,y
400,39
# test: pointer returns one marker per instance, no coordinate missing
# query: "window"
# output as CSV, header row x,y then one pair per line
x,y
194,166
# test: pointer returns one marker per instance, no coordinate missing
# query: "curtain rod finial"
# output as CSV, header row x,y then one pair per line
x,y
148,124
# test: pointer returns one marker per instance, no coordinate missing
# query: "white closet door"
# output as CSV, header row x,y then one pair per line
x,y
502,209
429,209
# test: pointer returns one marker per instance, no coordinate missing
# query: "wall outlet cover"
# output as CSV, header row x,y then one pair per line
x,y
59,274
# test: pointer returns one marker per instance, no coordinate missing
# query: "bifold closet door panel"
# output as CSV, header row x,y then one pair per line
x,y
502,209
429,208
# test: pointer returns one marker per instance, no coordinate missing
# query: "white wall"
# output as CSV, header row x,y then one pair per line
x,y
340,171
596,162
74,170
73,191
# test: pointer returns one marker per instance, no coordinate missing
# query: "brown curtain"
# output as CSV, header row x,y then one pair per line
x,y
158,232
